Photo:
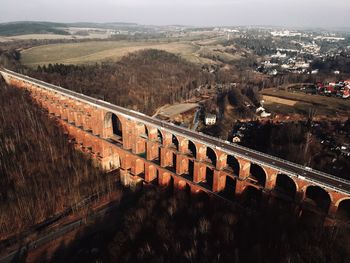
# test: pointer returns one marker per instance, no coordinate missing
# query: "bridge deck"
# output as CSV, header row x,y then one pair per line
x,y
283,166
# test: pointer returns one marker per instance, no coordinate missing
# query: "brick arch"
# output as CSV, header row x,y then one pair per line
x,y
192,148
260,179
167,137
175,141
147,130
341,200
152,132
304,185
182,141
211,155
287,185
201,151
244,167
160,136
343,209
233,163
113,124
318,199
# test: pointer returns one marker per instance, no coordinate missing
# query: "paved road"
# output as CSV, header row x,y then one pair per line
x,y
281,165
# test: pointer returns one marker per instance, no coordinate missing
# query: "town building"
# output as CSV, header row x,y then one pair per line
x,y
210,119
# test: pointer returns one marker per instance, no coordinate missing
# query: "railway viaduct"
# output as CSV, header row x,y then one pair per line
x,y
152,151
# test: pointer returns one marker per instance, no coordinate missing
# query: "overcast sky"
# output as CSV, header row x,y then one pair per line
x,y
324,13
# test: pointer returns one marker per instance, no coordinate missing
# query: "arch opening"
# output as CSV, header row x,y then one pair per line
x,y
146,132
191,169
159,136
343,212
159,156
211,156
174,161
209,178
232,164
257,175
192,149
175,142
318,197
286,186
116,125
230,188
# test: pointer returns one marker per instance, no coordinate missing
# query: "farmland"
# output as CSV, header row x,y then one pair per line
x,y
99,51
288,102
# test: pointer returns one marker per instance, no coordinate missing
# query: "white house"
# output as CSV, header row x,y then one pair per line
x,y
261,111
210,119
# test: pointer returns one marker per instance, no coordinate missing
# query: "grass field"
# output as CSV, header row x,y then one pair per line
x,y
272,99
99,51
281,101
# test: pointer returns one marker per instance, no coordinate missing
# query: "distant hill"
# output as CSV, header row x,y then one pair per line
x,y
32,27
110,25
23,28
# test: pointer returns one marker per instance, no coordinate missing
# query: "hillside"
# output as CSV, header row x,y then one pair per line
x,y
143,81
91,52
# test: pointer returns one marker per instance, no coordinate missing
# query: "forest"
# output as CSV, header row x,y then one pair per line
x,y
300,142
142,81
163,225
41,174
21,28
330,64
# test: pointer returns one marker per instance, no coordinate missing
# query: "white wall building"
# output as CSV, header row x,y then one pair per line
x,y
210,119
